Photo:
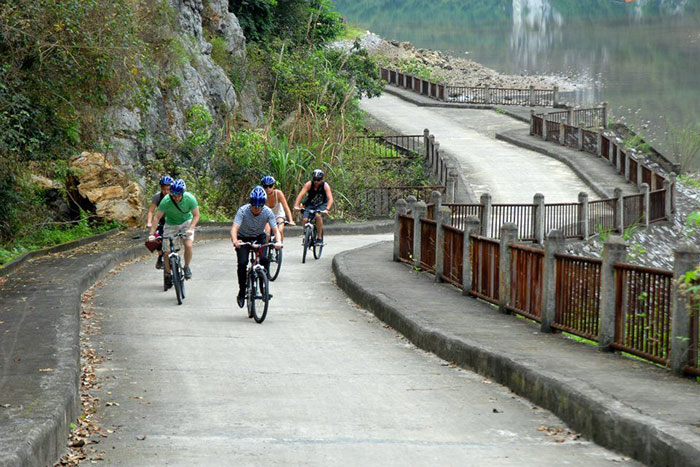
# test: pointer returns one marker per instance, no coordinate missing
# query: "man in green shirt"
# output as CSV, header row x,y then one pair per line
x,y
181,215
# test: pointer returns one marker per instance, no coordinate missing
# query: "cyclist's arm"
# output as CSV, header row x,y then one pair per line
x,y
329,195
195,219
234,234
285,206
301,194
151,210
159,215
272,221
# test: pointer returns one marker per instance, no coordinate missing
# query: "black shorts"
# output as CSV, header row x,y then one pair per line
x,y
320,207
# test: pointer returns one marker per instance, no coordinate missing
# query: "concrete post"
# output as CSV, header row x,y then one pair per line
x,y
487,95
532,122
579,139
614,251
686,258
599,144
583,224
605,115
432,154
509,234
426,142
451,185
562,134
668,209
538,201
532,100
570,116
555,102
399,208
619,211
419,212
639,173
555,244
672,178
627,163
410,203
485,214
436,199
544,127
646,199
471,227
442,216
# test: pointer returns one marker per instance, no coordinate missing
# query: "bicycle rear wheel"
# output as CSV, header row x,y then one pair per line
x,y
261,297
275,259
307,243
317,248
175,274
250,290
181,276
165,281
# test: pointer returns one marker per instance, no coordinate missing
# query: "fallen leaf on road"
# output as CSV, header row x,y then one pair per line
x,y
46,370
110,404
137,397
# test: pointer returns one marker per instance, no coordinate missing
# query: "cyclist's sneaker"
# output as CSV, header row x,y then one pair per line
x,y
319,241
240,299
168,280
159,262
188,273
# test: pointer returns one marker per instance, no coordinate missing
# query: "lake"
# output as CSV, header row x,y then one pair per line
x,y
641,56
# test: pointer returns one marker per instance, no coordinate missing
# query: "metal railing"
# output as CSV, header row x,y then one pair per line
x,y
427,244
577,295
527,265
406,238
520,214
485,254
453,251
564,217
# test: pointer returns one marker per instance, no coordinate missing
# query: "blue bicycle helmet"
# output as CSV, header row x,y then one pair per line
x,y
178,187
166,180
267,181
258,197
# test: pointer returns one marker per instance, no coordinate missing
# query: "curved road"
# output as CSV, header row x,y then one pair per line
x,y
509,173
320,382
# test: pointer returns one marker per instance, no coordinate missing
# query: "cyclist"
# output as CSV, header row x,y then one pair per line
x,y
181,214
319,197
277,202
165,182
249,226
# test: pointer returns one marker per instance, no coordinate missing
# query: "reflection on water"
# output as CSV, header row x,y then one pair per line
x,y
643,57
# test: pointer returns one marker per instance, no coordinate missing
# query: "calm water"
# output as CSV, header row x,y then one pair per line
x,y
643,57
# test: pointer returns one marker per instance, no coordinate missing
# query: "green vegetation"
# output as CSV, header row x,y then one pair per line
x,y
352,32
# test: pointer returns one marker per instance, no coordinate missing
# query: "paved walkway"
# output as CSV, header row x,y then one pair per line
x,y
634,407
510,173
320,382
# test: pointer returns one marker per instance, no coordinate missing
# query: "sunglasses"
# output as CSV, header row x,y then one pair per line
x,y
268,186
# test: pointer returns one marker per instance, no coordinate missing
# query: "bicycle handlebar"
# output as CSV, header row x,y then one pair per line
x,y
256,245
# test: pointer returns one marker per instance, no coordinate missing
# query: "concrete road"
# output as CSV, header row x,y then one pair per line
x,y
511,174
320,382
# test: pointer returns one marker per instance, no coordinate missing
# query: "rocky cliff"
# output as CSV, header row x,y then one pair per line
x,y
134,135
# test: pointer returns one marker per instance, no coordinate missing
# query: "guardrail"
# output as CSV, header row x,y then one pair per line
x,y
472,95
620,306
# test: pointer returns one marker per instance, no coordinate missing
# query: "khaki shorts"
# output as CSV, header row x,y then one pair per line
x,y
171,230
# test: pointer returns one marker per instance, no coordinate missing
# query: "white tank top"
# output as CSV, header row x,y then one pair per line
x,y
277,209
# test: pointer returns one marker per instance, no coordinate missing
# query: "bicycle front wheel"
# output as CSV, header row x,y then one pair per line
x,y
307,243
250,291
177,284
275,258
261,296
317,248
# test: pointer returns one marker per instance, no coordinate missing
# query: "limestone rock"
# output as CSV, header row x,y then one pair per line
x,y
108,187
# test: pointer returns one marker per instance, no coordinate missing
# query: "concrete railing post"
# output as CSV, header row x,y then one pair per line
x,y
487,95
554,244
672,178
599,144
639,173
451,186
619,211
627,163
442,217
433,154
686,258
605,115
410,203
646,199
532,122
471,227
614,251
509,234
436,200
579,139
555,98
485,214
583,223
538,221
399,209
570,116
562,134
426,143
668,208
532,100
419,212
544,127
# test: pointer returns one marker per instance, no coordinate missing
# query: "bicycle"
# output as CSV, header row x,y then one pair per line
x,y
275,256
257,283
177,273
311,235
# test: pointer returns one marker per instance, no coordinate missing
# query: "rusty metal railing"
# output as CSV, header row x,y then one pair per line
x,y
460,212
453,250
522,215
590,141
563,216
406,238
643,311
657,205
632,209
577,295
428,232
527,284
485,254
602,215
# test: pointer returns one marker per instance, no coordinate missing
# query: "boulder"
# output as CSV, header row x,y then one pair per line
x,y
108,187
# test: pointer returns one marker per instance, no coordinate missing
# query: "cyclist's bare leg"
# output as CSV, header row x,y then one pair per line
x,y
319,225
188,252
280,227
